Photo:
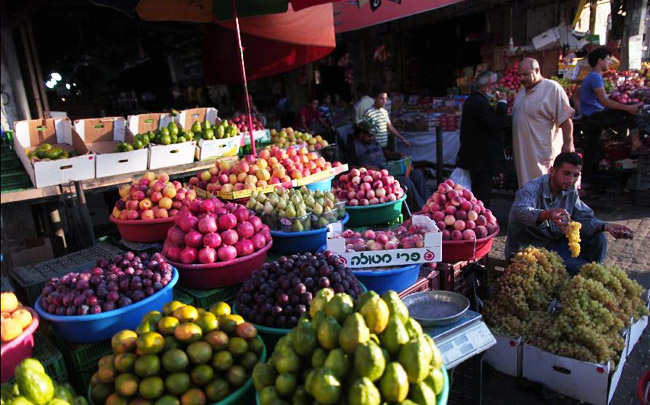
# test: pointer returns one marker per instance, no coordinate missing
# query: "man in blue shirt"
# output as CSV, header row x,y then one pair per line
x,y
599,112
542,209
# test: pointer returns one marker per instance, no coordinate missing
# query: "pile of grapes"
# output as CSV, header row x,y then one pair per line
x,y
525,290
592,308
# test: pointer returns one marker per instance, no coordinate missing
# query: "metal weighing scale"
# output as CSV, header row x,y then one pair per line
x,y
463,339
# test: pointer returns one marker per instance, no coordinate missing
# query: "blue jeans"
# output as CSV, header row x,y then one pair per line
x,y
592,249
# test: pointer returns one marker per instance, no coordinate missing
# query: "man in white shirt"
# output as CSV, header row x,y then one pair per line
x,y
364,103
377,117
542,124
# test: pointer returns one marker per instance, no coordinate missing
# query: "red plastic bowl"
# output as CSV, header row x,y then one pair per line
x,y
143,230
220,274
460,250
19,349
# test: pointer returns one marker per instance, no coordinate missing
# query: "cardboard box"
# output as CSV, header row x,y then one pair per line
x,y
213,148
102,135
431,252
29,134
588,382
261,136
547,39
161,155
506,355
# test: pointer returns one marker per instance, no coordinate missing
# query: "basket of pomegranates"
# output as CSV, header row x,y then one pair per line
x,y
372,196
279,293
468,228
146,209
215,244
93,305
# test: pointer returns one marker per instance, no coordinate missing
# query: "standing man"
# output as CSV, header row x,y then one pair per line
x,y
481,149
379,121
599,112
364,103
541,125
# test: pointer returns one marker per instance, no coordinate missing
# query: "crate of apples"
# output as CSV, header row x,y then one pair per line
x,y
151,197
362,187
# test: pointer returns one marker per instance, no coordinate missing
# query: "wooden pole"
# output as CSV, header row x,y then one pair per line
x,y
39,74
32,75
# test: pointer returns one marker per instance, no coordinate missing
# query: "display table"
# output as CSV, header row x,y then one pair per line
x,y
423,146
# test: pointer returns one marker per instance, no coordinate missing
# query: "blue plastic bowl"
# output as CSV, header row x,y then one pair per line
x,y
300,242
99,327
396,278
323,185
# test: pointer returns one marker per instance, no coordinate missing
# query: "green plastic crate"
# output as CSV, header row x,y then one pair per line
x,y
80,379
50,357
205,298
9,161
14,180
83,355
182,297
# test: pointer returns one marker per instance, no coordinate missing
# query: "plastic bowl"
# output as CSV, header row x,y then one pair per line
x,y
99,327
459,250
440,399
394,278
323,185
221,274
243,395
17,350
374,214
143,230
300,242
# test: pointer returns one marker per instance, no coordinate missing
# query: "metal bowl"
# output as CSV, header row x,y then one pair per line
x,y
436,308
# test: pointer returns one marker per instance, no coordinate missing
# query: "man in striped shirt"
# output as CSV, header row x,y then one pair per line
x,y
379,120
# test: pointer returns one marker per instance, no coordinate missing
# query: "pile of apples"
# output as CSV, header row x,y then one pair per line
x,y
241,122
288,137
367,187
210,231
510,79
272,166
15,318
448,122
151,198
458,214
401,238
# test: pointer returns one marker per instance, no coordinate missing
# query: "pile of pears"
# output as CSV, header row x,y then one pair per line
x,y
296,210
46,152
366,352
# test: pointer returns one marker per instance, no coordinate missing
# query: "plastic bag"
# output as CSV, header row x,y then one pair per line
x,y
462,177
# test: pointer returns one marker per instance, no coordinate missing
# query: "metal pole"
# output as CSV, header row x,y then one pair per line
x,y
87,225
39,74
11,58
243,74
439,154
30,68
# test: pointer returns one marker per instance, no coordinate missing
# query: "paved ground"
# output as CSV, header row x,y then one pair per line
x,y
631,255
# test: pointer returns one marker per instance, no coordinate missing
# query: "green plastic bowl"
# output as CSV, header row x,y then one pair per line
x,y
243,395
440,400
374,214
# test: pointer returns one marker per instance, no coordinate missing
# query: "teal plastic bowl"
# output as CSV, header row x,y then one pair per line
x,y
374,214
323,185
243,395
440,400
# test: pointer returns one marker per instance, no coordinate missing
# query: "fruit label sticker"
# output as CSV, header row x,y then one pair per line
x,y
423,244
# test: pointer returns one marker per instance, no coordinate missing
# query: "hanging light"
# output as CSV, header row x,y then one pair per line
x,y
56,77
67,86
50,84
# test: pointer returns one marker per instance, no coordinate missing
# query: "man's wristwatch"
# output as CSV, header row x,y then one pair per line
x,y
602,228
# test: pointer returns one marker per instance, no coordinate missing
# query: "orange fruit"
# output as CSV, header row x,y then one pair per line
x,y
22,316
188,332
8,302
193,396
10,329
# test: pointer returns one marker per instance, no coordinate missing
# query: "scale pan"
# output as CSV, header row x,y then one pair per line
x,y
436,308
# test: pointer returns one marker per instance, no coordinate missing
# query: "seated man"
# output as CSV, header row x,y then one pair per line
x,y
542,209
365,151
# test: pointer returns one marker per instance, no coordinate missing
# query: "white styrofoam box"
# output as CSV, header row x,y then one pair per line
x,y
171,155
506,355
589,382
29,134
546,39
431,252
101,136
635,332
216,148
